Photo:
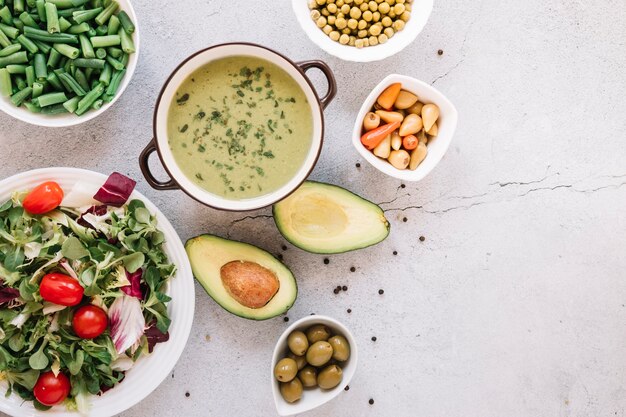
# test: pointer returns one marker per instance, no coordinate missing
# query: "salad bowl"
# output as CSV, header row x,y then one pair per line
x,y
148,372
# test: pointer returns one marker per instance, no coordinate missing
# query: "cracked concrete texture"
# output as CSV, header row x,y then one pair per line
x,y
513,305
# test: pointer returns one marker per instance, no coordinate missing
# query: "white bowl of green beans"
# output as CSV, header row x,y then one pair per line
x,y
64,62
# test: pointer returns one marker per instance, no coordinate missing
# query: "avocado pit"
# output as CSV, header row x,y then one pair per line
x,y
249,283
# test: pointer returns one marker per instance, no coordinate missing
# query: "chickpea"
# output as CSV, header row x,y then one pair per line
x,y
406,16
345,9
391,2
320,2
382,38
344,39
347,31
367,16
334,35
398,25
384,8
389,32
358,2
366,42
386,21
392,14
375,30
355,13
398,9
373,5
400,1
339,3
375,16
373,40
408,7
340,15
348,1
364,7
352,40
353,23
315,14
331,20
359,43
341,23
327,29
321,22
362,25
362,33
332,8
325,12
312,4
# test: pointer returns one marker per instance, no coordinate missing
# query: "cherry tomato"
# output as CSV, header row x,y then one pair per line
x,y
43,198
89,322
61,289
51,390
410,142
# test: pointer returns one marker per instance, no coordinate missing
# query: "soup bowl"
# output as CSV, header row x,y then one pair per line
x,y
161,140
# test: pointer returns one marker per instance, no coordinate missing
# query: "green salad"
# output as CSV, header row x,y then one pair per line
x,y
82,291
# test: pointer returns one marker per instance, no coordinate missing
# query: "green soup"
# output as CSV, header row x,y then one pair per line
x,y
240,127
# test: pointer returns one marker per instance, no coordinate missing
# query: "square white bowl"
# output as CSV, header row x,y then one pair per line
x,y
437,146
69,119
420,12
313,397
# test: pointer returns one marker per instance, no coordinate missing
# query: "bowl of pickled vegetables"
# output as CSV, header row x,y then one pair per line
x,y
404,127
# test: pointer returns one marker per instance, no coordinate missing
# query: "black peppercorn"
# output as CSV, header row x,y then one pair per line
x,y
422,238
440,52
286,319
373,338
352,269
344,288
371,401
326,261
381,292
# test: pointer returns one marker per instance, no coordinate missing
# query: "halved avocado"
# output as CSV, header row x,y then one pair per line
x,y
245,280
325,218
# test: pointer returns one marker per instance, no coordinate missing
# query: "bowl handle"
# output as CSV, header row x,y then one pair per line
x,y
328,73
145,170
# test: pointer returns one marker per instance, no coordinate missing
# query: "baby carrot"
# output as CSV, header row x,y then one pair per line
x,y
372,138
389,96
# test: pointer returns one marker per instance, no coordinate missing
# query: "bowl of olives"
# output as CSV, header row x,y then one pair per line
x,y
313,361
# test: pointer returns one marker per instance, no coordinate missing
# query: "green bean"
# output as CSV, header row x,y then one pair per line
x,y
101,53
104,41
32,107
44,36
53,58
18,6
16,58
18,98
54,109
16,69
102,30
30,75
117,65
37,89
5,15
124,60
70,12
116,79
19,25
52,17
67,50
11,49
29,45
41,69
89,63
72,104
88,73
28,20
114,25
85,15
66,4
54,81
6,88
64,24
86,47
72,84
97,104
20,82
106,14
82,78
114,52
43,47
126,23
29,3
85,103
105,75
127,42
41,9
76,29
51,98
10,31
4,41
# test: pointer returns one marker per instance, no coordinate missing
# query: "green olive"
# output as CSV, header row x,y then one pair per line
x,y
319,353
286,369
300,360
341,347
298,343
308,376
292,390
329,377
317,333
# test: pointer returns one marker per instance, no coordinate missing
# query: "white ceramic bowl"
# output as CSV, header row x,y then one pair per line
x,y
437,146
67,119
312,398
420,13
150,371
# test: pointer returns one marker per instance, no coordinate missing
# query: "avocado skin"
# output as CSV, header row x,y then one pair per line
x,y
206,286
287,234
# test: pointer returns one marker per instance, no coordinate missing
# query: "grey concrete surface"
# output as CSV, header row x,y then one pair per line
x,y
513,305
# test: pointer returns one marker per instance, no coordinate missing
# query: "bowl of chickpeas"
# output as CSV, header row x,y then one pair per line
x,y
362,30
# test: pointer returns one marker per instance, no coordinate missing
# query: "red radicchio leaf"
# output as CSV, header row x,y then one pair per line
x,y
154,336
134,289
97,210
116,190
8,294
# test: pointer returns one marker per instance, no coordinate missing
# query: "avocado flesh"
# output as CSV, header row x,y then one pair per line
x,y
208,253
325,218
